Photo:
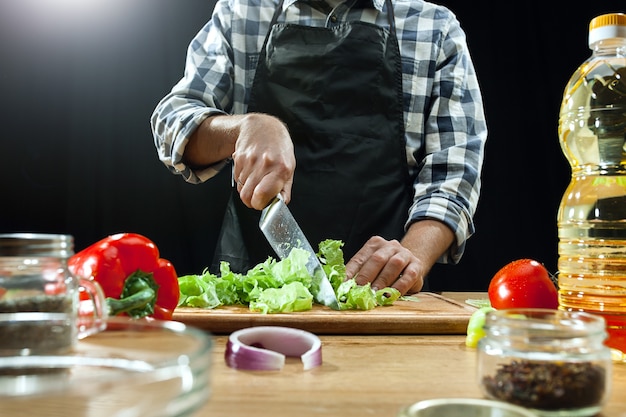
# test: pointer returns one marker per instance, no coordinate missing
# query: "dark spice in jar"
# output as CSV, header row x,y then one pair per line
x,y
36,336
37,303
548,385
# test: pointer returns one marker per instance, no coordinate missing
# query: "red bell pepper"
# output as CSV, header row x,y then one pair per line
x,y
135,279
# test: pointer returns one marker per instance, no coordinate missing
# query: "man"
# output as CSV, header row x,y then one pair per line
x,y
365,115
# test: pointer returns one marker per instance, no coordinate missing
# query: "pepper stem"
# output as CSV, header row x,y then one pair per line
x,y
138,296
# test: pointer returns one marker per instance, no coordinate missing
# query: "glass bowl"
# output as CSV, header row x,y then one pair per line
x,y
464,407
134,368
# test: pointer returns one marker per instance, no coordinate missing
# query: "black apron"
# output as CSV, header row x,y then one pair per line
x,y
339,91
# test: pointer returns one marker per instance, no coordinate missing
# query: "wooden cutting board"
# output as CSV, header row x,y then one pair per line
x,y
429,313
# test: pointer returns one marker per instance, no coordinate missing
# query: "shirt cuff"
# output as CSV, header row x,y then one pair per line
x,y
194,175
453,215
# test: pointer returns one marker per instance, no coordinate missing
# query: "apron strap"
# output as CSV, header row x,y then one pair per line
x,y
390,16
388,4
277,13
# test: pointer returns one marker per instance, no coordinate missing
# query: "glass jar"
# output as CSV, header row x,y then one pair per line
x,y
39,297
553,362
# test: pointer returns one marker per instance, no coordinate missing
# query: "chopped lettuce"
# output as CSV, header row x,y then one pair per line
x,y
281,286
387,296
288,298
475,326
478,302
355,297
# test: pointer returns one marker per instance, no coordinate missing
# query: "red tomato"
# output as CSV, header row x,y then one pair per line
x,y
524,283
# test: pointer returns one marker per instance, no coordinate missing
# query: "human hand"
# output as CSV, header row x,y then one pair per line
x,y
386,263
264,160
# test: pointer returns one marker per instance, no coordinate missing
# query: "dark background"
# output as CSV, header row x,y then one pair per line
x,y
80,78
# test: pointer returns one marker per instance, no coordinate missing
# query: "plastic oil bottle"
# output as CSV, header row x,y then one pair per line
x,y
592,214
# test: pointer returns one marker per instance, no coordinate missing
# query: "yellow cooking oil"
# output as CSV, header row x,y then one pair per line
x,y
591,218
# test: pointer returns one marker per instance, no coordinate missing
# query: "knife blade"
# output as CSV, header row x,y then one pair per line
x,y
284,234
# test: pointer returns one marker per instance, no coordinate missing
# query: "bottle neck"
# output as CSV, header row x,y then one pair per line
x,y
611,46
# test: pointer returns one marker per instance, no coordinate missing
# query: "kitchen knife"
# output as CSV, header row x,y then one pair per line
x,y
283,233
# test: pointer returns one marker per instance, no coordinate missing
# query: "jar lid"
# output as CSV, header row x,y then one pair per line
x,y
538,326
36,245
607,26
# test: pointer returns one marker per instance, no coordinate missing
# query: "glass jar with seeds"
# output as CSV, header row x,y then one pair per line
x,y
39,296
553,362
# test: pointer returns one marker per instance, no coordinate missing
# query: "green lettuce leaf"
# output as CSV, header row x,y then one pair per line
x,y
387,296
291,297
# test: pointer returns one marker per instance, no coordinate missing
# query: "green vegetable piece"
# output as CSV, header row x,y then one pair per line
x,y
331,257
355,297
478,302
198,291
387,296
475,330
286,299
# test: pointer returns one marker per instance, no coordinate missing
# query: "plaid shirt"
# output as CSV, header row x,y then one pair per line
x,y
444,121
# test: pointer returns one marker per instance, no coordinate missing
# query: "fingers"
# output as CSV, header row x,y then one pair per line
x,y
264,161
414,281
386,264
258,189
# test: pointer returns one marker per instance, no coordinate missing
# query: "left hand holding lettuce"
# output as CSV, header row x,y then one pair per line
x,y
281,286
135,279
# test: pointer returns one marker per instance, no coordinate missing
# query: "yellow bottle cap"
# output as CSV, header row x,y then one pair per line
x,y
607,26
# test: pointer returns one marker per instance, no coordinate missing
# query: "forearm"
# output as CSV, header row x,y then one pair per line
x,y
213,141
428,240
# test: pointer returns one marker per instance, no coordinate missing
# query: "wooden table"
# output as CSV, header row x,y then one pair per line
x,y
372,375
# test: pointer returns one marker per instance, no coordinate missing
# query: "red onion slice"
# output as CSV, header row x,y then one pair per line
x,y
265,348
